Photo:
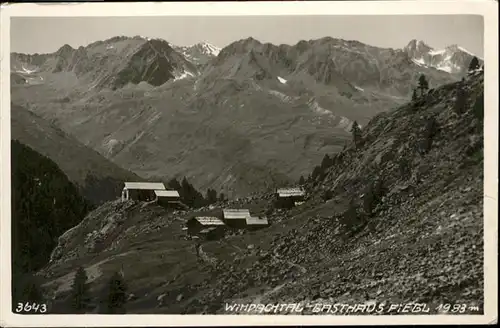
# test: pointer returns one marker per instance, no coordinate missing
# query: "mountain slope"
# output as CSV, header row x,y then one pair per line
x,y
98,179
415,238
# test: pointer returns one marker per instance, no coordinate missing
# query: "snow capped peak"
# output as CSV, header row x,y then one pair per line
x,y
209,48
147,38
199,53
437,52
183,75
416,44
466,51
421,43
451,59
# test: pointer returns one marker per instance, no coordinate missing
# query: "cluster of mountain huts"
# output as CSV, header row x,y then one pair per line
x,y
218,222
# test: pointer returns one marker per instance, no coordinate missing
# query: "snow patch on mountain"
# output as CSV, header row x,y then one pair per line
x,y
199,53
437,52
183,75
281,96
447,65
27,71
419,61
313,105
345,124
282,80
210,48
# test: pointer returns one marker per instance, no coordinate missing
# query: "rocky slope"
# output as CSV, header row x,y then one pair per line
x,y
419,239
98,179
254,113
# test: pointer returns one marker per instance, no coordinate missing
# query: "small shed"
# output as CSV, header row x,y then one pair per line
x,y
168,198
207,227
289,197
257,222
236,218
142,191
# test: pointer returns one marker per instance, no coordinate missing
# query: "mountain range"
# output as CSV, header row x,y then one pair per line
x,y
248,117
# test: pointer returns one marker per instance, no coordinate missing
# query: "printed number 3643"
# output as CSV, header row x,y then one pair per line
x,y
31,307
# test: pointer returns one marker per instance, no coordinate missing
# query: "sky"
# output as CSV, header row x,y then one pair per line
x,y
47,34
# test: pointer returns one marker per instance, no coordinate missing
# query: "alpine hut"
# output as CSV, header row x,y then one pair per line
x,y
289,197
141,191
256,222
206,227
236,218
168,198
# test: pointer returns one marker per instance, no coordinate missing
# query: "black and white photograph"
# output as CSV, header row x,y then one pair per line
x,y
330,162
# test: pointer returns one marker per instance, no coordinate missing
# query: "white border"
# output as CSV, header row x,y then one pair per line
x,y
487,8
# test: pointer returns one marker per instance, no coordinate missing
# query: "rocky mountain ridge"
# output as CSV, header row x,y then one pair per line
x,y
112,63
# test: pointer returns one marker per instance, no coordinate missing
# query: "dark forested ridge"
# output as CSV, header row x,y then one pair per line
x,y
44,205
97,178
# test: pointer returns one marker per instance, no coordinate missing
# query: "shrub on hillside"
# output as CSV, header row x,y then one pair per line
x,y
356,135
428,133
350,219
478,109
460,100
80,298
374,192
414,95
211,197
189,195
114,296
474,64
423,84
327,195
404,168
317,173
326,163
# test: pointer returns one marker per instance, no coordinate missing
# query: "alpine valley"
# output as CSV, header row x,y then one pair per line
x,y
239,119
